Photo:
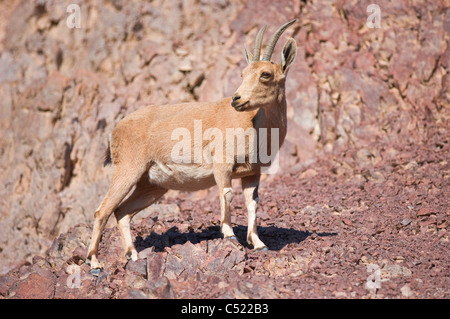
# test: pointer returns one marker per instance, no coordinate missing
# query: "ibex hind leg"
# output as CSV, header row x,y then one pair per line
x,y
123,179
143,196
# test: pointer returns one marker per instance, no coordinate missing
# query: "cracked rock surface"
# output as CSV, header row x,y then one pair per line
x,y
361,197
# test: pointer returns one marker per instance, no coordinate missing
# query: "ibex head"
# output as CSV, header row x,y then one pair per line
x,y
263,81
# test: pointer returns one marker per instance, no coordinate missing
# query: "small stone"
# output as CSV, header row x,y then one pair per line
x,y
181,52
406,291
222,285
271,204
426,211
347,221
95,272
161,288
185,66
406,222
138,267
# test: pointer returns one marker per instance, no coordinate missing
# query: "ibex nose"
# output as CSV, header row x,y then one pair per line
x,y
236,98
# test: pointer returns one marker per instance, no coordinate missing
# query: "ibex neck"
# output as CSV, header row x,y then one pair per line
x,y
273,116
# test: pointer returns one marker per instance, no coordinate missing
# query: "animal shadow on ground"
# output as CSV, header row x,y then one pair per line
x,y
274,237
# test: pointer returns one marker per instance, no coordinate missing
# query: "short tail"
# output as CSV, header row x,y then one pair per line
x,y
107,160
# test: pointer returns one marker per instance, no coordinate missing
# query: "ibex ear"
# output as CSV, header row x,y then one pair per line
x,y
248,56
288,55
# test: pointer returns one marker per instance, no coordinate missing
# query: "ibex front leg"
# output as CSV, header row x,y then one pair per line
x,y
223,180
226,195
250,188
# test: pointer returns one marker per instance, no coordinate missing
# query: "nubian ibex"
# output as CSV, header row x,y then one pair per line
x,y
145,147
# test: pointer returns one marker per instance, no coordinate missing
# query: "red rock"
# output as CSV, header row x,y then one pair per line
x,y
367,134
347,221
35,286
155,265
365,61
425,211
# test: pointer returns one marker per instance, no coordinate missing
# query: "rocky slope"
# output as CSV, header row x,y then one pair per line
x,y
364,176
330,233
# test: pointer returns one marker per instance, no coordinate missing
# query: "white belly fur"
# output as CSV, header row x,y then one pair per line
x,y
187,177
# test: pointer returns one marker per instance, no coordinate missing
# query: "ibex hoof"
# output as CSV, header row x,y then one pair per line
x,y
264,248
232,237
95,272
132,255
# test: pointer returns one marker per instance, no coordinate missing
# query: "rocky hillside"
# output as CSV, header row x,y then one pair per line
x,y
366,106
330,233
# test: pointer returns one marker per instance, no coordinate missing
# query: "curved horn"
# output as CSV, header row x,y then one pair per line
x,y
274,39
258,42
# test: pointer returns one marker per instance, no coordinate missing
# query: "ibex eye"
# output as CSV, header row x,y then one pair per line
x,y
265,75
